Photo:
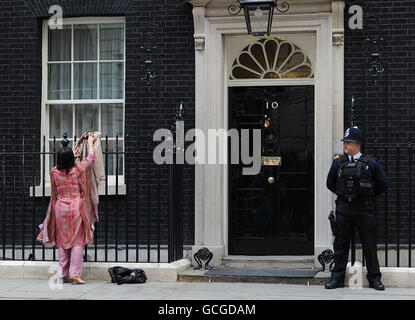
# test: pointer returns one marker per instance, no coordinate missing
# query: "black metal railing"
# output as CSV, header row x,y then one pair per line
x,y
138,222
394,208
141,217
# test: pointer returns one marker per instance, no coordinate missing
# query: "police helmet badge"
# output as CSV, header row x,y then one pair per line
x,y
346,134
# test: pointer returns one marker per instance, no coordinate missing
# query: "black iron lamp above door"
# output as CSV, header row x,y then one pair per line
x,y
258,15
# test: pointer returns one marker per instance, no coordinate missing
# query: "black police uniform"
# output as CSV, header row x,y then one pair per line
x,y
358,212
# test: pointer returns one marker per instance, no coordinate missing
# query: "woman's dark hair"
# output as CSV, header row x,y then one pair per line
x,y
65,158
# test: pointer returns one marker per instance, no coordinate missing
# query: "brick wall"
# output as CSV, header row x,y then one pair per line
x,y
145,110
385,109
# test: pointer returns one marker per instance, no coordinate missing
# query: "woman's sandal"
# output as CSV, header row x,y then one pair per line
x,y
66,279
77,280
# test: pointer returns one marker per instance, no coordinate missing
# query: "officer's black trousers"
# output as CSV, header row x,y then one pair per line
x,y
365,223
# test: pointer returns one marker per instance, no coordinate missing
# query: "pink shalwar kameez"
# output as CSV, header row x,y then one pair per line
x,y
69,223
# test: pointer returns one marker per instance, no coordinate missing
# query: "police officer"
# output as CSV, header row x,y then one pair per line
x,y
356,179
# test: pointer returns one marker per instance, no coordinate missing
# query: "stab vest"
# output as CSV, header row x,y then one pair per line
x,y
354,185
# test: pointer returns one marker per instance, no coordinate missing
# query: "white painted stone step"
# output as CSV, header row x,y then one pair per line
x,y
268,262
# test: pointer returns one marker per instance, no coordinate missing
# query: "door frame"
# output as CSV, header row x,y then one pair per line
x,y
211,108
292,35
317,82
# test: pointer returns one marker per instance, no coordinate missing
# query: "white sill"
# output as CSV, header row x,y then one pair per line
x,y
101,190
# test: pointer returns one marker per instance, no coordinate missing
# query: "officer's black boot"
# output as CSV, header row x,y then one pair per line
x,y
377,285
333,284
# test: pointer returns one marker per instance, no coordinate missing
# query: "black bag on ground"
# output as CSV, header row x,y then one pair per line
x,y
122,275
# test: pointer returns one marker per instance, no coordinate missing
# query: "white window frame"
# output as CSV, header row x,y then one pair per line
x,y
45,101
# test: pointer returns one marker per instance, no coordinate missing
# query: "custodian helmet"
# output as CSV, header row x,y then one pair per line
x,y
353,134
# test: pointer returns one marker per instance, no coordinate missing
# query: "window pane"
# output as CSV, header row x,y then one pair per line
x,y
60,44
86,118
111,80
112,120
60,120
296,59
85,81
111,41
59,81
300,72
112,158
259,19
85,42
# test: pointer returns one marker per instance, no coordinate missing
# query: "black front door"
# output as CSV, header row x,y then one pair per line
x,y
272,213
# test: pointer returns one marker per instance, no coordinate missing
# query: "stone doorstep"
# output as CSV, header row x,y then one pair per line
x,y
191,275
268,262
392,277
156,272
286,259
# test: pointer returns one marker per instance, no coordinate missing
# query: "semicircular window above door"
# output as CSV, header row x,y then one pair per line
x,y
272,58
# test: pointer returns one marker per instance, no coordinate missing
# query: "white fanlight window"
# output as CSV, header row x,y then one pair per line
x,y
84,83
273,58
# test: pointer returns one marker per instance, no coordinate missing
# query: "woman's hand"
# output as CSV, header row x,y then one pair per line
x,y
91,141
76,152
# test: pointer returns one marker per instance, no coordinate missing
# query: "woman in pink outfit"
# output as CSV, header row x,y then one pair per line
x,y
69,220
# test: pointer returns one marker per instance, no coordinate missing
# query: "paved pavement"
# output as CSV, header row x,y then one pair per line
x,y
31,289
